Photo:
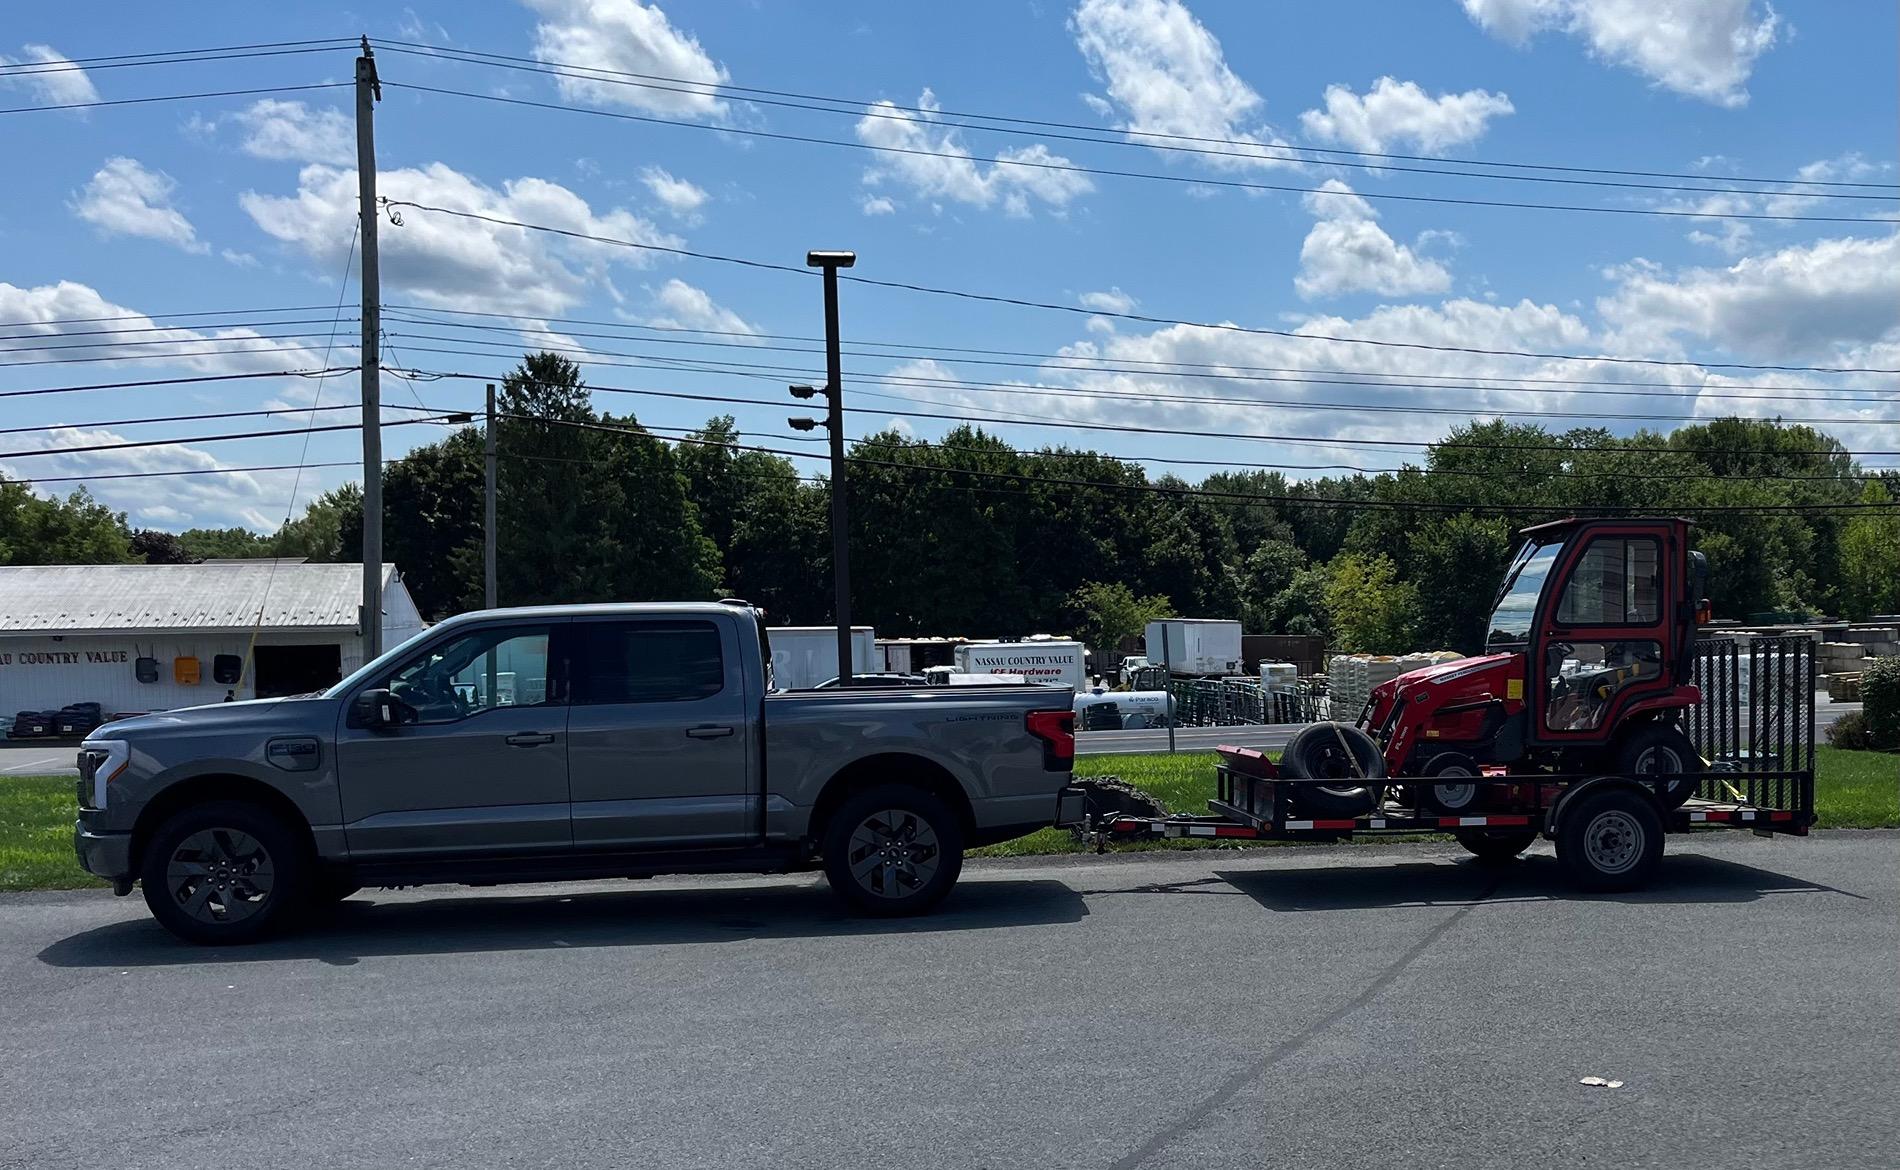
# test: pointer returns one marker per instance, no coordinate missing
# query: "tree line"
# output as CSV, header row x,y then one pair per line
x,y
969,535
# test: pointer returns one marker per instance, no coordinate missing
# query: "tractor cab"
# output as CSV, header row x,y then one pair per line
x,y
1590,642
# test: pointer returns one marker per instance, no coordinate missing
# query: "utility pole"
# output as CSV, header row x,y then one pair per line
x,y
488,506
830,262
369,91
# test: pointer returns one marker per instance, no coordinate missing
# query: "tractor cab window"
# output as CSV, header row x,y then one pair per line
x,y
1523,585
1616,582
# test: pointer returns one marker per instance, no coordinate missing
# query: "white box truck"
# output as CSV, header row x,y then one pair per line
x,y
1043,661
1195,646
804,656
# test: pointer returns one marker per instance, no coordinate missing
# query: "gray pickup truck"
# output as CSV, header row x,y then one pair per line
x,y
565,742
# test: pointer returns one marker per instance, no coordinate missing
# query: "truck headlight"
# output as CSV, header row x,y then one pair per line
x,y
100,762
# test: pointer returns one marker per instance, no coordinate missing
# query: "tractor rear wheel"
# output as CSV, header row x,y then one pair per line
x,y
1335,752
1661,749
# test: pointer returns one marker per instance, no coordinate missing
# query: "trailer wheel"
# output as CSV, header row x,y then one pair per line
x,y
1333,751
1661,749
1451,788
1611,840
1496,846
892,850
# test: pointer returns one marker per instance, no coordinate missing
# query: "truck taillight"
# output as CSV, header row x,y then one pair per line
x,y
1056,730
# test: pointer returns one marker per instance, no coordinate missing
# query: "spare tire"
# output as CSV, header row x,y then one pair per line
x,y
1333,751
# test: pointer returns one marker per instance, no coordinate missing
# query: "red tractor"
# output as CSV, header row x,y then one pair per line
x,y
1587,672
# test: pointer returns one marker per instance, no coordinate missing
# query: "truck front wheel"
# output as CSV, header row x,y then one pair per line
x,y
223,872
892,850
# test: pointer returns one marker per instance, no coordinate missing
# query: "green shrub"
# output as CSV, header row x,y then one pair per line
x,y
1850,732
1880,699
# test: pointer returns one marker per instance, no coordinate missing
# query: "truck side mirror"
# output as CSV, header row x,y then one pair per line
x,y
377,709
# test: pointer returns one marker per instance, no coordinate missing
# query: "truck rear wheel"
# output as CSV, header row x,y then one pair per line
x,y
224,872
1611,840
892,850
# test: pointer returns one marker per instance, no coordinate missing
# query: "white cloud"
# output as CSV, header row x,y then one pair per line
x,y
293,131
456,263
1802,301
1702,48
625,36
878,205
1733,235
58,82
680,197
1166,74
1346,251
685,307
123,198
1399,113
215,351
1112,301
949,171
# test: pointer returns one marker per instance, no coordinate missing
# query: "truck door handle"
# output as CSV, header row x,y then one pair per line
x,y
530,738
709,731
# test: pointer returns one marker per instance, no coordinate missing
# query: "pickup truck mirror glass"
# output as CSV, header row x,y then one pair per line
x,y
377,708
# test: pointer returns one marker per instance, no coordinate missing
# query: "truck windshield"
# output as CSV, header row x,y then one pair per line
x,y
1517,601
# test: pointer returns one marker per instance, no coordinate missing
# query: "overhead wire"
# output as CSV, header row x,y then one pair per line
x,y
174,97
1021,302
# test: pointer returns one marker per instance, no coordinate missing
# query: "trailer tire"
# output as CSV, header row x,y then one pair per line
x,y
1321,752
1661,748
892,850
1611,841
1497,846
1451,786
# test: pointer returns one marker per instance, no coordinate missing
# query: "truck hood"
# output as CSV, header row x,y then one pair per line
x,y
277,715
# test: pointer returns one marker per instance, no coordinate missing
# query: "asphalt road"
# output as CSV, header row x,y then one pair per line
x,y
55,758
1332,1007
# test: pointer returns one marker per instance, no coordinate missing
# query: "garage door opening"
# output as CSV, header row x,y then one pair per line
x,y
297,670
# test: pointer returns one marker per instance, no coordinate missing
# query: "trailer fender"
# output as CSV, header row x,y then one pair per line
x,y
1572,793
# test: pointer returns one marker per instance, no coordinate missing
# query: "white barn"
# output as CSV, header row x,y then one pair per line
x,y
154,637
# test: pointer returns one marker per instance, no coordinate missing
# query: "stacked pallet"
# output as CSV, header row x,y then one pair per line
x,y
1841,663
1351,677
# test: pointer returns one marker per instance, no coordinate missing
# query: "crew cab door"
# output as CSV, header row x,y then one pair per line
x,y
658,733
1603,631
477,759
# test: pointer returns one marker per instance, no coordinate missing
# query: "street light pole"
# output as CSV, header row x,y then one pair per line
x,y
830,262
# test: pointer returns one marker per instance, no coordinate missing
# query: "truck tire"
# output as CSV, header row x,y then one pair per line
x,y
224,872
1450,787
1318,753
1660,749
1496,846
892,850
1611,840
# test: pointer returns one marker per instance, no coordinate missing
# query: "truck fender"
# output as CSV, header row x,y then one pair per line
x,y
1572,793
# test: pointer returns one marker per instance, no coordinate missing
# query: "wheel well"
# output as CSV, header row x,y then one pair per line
x,y
200,789
884,769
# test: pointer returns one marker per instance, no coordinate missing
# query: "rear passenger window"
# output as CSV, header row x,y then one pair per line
x,y
647,662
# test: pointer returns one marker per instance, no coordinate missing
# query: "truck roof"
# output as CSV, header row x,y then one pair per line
x,y
608,609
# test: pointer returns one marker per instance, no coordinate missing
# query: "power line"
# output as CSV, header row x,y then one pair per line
x,y
161,329
164,316
158,357
174,97
180,442
216,414
35,68
954,353
1151,176
154,341
334,42
1204,370
322,373
1128,316
1314,440
859,107
751,369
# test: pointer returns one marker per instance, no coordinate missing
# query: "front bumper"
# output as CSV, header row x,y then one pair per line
x,y
109,855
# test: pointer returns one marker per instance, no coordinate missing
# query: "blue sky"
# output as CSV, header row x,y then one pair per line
x,y
247,202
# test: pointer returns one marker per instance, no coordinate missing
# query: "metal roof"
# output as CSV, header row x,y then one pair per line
x,y
84,598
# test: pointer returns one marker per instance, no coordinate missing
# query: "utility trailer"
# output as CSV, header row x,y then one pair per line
x,y
1597,719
